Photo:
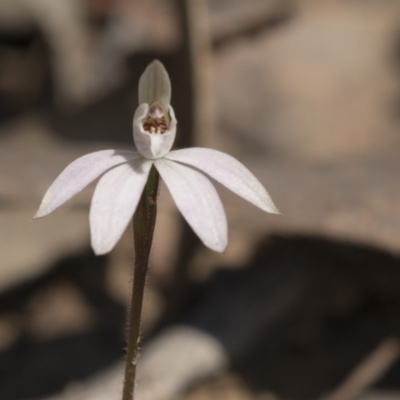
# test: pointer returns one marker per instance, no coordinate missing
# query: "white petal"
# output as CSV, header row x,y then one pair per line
x,y
152,145
114,202
79,174
198,201
154,84
229,172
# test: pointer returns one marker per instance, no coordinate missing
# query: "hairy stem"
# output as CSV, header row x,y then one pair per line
x,y
143,228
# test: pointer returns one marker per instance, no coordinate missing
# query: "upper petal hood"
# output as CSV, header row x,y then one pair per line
x,y
154,85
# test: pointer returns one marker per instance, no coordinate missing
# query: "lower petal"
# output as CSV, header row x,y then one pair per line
x,y
198,201
114,203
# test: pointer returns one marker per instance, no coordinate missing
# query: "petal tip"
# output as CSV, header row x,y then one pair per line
x,y
268,205
222,250
39,214
219,247
100,249
98,252
273,209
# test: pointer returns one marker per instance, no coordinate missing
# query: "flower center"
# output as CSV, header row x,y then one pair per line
x,y
157,120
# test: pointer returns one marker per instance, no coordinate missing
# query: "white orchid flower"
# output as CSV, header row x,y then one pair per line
x,y
124,175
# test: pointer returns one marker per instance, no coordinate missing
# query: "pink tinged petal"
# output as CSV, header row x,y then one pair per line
x,y
229,172
79,174
198,201
114,203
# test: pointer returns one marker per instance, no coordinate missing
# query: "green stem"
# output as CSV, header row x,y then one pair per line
x,y
144,222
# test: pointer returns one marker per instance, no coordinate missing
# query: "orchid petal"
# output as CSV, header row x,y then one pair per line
x,y
154,84
114,203
77,175
229,172
198,201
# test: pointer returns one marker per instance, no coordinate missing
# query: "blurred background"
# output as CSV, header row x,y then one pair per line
x,y
306,305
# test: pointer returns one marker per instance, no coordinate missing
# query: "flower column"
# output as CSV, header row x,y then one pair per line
x,y
153,137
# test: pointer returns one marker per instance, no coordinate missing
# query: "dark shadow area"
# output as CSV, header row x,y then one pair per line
x,y
29,56
36,367
295,320
303,312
